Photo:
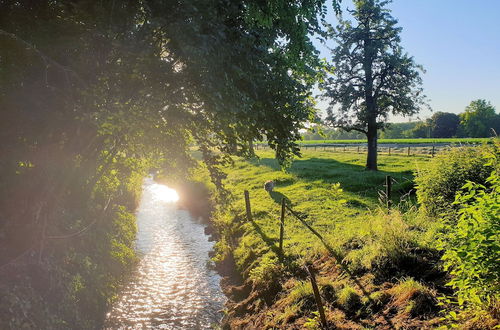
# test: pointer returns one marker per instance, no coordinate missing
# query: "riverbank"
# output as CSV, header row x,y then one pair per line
x,y
374,268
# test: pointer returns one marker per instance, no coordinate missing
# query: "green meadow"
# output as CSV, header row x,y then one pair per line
x,y
364,251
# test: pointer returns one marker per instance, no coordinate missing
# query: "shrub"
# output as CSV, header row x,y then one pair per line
x,y
472,246
446,174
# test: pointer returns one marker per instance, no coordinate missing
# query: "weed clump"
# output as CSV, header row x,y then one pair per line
x,y
302,295
413,298
385,247
377,300
349,299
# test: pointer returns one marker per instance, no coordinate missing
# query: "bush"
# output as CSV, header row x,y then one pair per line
x,y
446,174
472,246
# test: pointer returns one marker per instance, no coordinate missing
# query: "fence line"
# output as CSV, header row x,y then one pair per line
x,y
308,268
393,150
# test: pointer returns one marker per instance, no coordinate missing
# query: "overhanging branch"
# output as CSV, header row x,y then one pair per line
x,y
46,59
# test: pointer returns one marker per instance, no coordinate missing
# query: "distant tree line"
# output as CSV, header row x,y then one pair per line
x,y
478,120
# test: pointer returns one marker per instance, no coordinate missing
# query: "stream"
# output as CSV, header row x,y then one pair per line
x,y
174,285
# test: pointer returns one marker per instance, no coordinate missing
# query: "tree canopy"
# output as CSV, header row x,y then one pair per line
x,y
372,76
479,119
93,94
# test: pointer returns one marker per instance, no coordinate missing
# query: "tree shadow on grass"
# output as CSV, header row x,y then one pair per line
x,y
345,269
272,244
352,177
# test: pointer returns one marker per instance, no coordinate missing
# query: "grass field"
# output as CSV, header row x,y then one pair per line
x,y
402,141
375,251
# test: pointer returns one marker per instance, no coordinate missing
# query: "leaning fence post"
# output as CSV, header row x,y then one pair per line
x,y
247,205
388,190
319,303
282,223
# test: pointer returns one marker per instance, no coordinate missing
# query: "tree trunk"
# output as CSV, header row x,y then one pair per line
x,y
251,148
371,159
370,101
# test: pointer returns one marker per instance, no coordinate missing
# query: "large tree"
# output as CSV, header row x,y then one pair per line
x,y
444,124
372,76
95,93
479,119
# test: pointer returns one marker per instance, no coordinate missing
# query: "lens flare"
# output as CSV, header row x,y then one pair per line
x,y
164,194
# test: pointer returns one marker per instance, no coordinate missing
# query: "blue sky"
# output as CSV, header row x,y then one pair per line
x,y
457,42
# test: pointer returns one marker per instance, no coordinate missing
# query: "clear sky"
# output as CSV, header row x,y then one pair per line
x,y
457,42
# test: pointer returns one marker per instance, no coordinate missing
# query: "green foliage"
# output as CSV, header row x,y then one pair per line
x,y
372,76
438,182
384,242
444,125
398,130
440,125
479,119
472,246
94,94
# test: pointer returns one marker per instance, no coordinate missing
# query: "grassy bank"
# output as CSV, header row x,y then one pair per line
x,y
375,268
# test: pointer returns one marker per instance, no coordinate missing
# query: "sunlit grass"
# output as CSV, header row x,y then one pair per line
x,y
335,195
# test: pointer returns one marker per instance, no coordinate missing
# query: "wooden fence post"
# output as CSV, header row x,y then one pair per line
x,y
358,149
432,151
282,222
389,151
388,190
317,296
344,148
247,204
408,151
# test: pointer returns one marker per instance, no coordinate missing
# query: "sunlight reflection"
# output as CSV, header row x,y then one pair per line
x,y
164,194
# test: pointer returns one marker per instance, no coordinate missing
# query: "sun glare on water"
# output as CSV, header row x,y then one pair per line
x,y
164,194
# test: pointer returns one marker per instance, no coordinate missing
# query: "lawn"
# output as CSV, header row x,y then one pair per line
x,y
335,195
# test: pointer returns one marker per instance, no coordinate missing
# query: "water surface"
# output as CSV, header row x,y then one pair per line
x,y
174,285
